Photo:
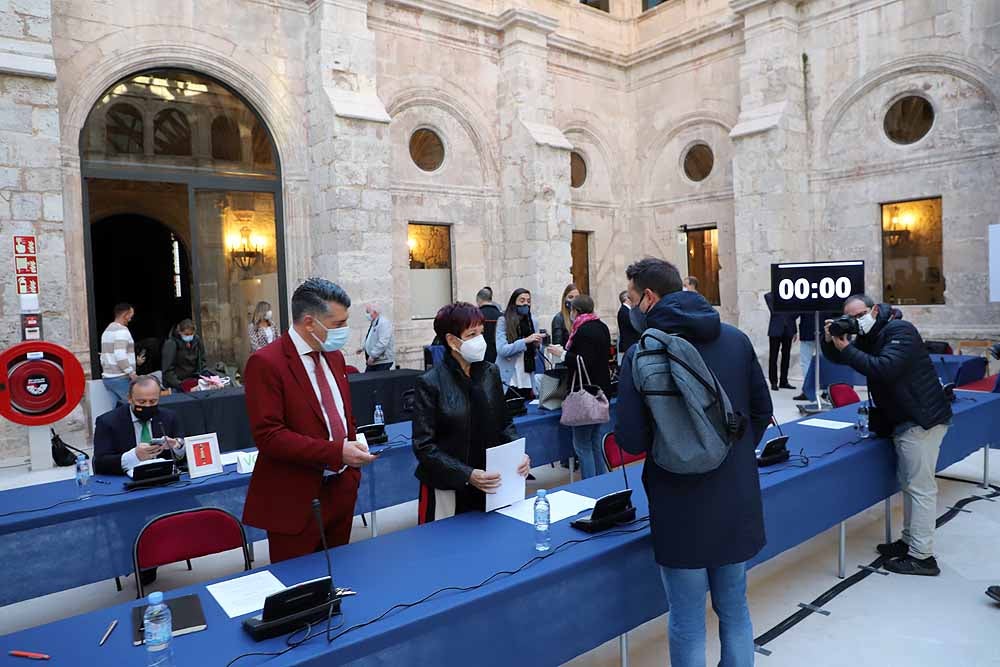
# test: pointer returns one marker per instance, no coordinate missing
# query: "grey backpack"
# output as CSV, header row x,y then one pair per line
x,y
694,420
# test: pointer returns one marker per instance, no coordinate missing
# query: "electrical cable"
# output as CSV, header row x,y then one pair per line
x,y
458,589
803,459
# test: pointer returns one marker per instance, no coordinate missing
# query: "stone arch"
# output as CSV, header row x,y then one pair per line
x,y
596,137
650,157
464,112
94,68
960,68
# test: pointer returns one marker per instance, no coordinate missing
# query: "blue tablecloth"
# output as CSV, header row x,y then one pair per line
x,y
950,366
830,373
610,582
70,543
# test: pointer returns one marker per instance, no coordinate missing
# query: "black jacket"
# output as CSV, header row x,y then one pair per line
x,y
492,313
592,343
780,325
455,420
560,334
717,518
182,360
627,336
901,378
114,435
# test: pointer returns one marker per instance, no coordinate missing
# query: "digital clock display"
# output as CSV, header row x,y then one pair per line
x,y
811,286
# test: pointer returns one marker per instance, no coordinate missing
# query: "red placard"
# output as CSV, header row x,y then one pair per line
x,y
27,284
202,454
26,265
25,245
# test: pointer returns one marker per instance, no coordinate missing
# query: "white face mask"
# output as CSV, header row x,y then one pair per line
x,y
474,349
866,322
267,315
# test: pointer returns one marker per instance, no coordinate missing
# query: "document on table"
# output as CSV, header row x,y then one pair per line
x,y
229,458
505,460
826,423
245,594
562,505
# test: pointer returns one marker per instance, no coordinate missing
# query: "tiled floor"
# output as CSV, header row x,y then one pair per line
x,y
881,621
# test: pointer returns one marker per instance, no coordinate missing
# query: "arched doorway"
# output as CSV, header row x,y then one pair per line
x,y
182,211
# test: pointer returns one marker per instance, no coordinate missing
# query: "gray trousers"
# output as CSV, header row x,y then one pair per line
x,y
917,454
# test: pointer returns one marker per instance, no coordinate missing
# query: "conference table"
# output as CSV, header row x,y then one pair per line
x,y
61,542
512,606
959,368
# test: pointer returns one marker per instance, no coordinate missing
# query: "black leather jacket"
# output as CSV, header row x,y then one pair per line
x,y
455,420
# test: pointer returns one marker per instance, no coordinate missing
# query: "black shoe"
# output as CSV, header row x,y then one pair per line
x,y
923,567
800,397
896,549
785,385
774,387
994,592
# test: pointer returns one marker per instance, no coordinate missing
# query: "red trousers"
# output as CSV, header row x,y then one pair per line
x,y
337,498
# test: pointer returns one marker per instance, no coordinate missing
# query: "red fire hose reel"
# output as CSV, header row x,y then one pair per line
x,y
40,383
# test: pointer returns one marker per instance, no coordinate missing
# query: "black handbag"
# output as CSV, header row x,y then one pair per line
x,y
61,454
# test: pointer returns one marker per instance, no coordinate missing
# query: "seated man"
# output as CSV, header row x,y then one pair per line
x,y
123,437
183,356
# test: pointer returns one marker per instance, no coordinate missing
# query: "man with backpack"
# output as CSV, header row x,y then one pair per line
x,y
700,474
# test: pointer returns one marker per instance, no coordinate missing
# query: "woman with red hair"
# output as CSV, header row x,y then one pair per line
x,y
459,413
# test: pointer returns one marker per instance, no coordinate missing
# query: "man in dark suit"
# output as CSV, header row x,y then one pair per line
x,y
780,332
299,407
123,438
627,336
491,313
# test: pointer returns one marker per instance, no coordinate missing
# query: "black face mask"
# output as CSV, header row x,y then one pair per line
x,y
524,311
569,305
145,412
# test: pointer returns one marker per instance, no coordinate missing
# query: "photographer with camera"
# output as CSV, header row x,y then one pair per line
x,y
910,407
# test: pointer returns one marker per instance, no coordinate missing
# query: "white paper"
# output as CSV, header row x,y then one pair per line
x,y
826,423
994,265
505,460
562,505
245,594
229,458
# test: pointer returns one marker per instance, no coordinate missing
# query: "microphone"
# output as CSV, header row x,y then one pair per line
x,y
775,422
621,461
322,536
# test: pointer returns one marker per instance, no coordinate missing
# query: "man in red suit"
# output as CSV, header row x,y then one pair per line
x,y
300,412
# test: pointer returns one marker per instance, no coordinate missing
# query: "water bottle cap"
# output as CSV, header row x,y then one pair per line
x,y
540,493
156,597
80,457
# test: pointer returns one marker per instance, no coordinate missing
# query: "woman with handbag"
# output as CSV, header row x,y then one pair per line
x,y
459,413
519,345
585,409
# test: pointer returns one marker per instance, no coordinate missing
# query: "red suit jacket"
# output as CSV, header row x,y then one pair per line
x,y
292,440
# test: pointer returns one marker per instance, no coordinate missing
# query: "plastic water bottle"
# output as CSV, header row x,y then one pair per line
x,y
379,417
541,521
82,476
863,422
157,631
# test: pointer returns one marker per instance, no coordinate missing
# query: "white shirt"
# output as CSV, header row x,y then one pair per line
x,y
302,347
130,459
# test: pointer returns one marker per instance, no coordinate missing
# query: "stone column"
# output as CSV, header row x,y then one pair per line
x,y
770,163
534,177
31,200
350,150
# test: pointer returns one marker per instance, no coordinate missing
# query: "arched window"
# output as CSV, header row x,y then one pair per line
x,y
171,133
124,133
226,139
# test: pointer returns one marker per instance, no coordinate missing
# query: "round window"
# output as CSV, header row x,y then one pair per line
x,y
698,162
426,149
908,120
577,170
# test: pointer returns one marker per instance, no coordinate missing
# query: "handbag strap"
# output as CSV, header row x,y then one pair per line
x,y
581,372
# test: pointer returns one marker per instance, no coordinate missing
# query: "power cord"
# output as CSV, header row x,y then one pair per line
x,y
459,589
802,460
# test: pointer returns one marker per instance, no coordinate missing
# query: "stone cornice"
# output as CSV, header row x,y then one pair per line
x,y
451,11
685,40
523,18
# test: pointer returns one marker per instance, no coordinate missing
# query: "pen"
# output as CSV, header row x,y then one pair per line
x,y
107,633
29,655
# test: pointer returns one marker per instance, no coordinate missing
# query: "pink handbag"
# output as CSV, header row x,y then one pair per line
x,y
586,404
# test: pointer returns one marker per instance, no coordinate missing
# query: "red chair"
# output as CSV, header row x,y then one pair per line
x,y
187,534
351,370
615,456
843,394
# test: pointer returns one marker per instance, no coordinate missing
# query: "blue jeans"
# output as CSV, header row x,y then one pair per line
x,y
118,387
587,443
686,596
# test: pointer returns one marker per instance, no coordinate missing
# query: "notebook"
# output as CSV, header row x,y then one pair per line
x,y
186,613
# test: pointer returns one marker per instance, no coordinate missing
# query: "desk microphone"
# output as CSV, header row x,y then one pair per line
x,y
322,536
621,461
775,450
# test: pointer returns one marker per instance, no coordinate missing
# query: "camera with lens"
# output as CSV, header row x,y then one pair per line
x,y
844,325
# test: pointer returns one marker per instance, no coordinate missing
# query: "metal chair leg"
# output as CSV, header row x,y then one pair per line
x,y
189,566
623,649
364,521
118,584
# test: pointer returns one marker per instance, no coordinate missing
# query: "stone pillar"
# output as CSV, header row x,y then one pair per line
x,y
349,144
31,200
534,177
770,163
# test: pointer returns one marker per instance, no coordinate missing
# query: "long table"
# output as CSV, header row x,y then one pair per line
x,y
610,581
950,366
67,543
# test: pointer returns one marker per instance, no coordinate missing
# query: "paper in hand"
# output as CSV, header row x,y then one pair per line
x,y
505,459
